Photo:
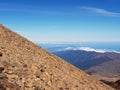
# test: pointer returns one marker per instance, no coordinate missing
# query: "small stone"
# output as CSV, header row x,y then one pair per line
x,y
1,69
2,87
42,70
0,54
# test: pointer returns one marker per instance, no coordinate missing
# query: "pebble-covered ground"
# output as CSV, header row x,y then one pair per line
x,y
25,66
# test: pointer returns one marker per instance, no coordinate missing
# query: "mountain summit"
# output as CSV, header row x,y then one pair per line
x,y
25,66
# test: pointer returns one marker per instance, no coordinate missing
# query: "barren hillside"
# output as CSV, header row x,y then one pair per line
x,y
25,66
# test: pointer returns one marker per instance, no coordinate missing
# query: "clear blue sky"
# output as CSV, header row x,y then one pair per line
x,y
63,20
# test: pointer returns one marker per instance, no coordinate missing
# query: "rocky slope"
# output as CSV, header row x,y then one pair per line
x,y
25,66
115,84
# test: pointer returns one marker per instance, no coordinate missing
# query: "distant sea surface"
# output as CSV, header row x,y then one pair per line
x,y
108,46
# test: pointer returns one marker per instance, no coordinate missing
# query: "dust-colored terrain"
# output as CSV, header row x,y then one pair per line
x,y
115,84
25,66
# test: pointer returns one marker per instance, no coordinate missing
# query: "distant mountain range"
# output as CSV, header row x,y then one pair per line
x,y
104,65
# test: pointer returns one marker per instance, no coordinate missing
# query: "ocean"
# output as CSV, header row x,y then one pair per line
x,y
107,46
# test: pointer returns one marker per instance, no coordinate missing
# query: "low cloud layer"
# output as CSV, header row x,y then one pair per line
x,y
88,49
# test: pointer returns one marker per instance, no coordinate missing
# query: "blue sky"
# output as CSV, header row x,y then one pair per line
x,y
63,20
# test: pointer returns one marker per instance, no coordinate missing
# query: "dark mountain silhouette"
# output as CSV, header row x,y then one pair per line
x,y
25,66
100,65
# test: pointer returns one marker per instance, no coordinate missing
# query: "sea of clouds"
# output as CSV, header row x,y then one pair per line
x,y
88,49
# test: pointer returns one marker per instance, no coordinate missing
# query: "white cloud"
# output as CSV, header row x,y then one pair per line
x,y
83,48
92,49
100,11
88,49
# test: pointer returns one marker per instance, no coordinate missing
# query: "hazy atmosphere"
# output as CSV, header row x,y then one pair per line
x,y
63,20
60,45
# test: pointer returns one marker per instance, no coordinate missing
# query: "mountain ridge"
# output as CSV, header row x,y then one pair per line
x,y
100,65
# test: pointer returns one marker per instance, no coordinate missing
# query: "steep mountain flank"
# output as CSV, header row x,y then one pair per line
x,y
25,66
